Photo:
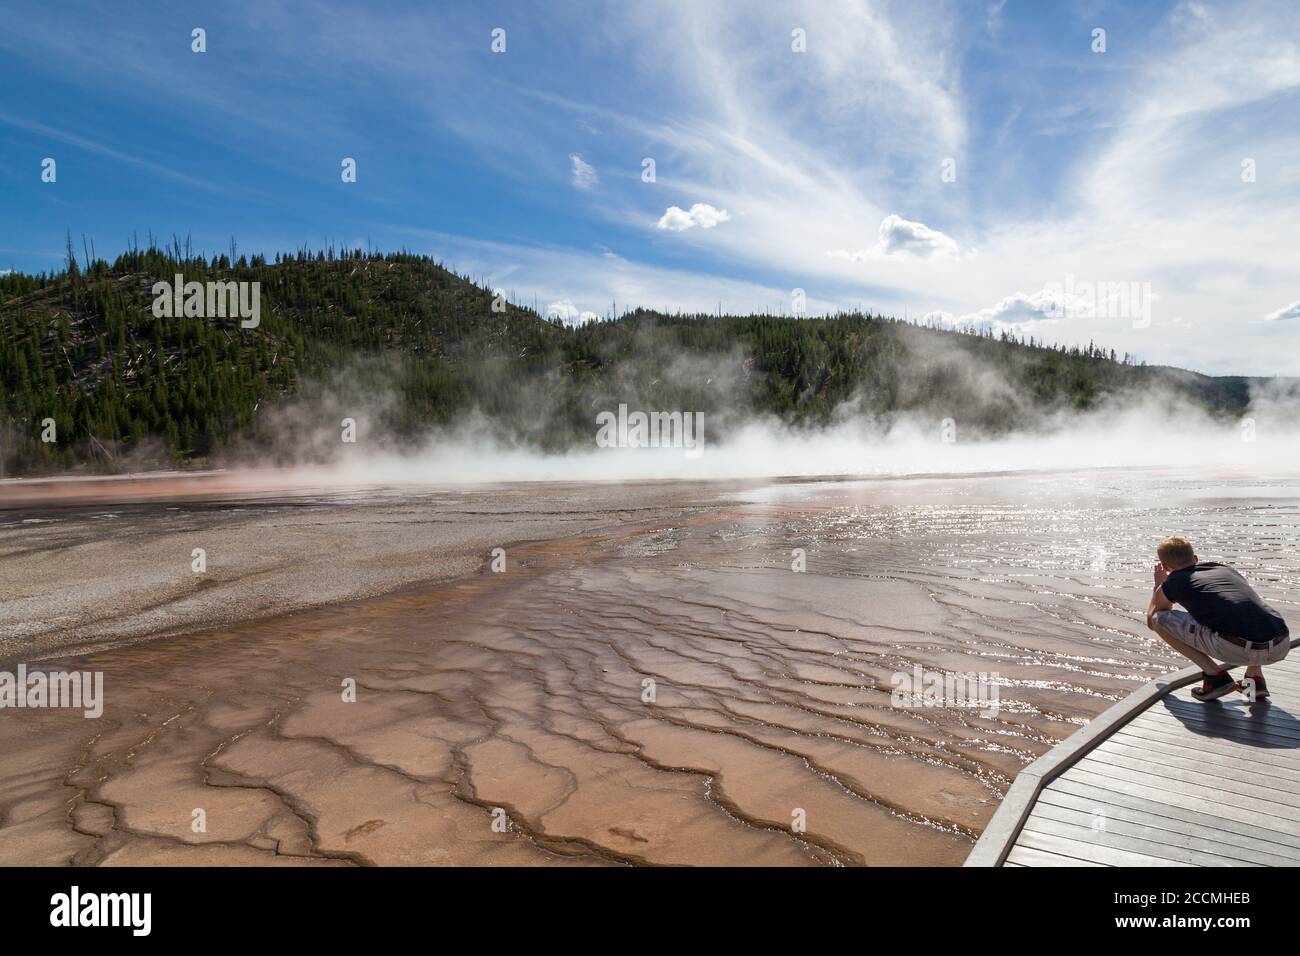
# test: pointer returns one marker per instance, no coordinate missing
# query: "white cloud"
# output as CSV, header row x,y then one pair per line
x,y
584,174
676,219
1020,310
903,239
568,313
1108,305
5,272
1291,311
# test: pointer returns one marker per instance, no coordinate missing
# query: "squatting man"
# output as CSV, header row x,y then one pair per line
x,y
1225,620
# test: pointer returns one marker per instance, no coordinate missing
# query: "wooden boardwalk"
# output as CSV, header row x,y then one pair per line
x,y
1161,779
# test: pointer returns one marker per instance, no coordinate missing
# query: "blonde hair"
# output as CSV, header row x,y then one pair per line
x,y
1175,552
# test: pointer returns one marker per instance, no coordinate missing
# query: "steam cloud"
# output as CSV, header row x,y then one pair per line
x,y
1154,429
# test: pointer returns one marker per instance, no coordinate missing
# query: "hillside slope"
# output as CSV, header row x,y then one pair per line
x,y
408,345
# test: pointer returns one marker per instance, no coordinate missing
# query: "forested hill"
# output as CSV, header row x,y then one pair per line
x,y
407,345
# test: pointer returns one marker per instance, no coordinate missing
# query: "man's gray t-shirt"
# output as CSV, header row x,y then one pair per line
x,y
1222,600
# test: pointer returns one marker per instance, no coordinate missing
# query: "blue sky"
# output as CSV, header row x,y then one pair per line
x,y
1070,171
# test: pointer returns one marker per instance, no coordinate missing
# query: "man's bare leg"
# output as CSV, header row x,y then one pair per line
x,y
1206,664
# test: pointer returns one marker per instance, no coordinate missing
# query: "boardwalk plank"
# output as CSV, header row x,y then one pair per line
x,y
1262,775
1208,826
1212,792
1146,837
1028,856
1241,742
1226,787
1277,762
1239,731
1271,723
1185,800
1080,850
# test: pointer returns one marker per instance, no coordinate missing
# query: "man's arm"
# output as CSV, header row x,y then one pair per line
x,y
1159,602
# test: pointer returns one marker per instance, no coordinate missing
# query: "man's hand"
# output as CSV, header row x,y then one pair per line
x,y
1159,601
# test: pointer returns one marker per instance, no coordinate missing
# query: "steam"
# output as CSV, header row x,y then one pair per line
x,y
1155,429
1152,435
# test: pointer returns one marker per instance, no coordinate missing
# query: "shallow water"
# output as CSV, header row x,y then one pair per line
x,y
522,697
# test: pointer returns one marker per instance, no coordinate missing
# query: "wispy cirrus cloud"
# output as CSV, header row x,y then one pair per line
x,y
1284,314
583,173
127,157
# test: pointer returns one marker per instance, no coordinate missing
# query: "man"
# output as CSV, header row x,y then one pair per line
x,y
1225,620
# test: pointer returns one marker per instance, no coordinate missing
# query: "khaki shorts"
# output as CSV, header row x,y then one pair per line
x,y
1184,627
